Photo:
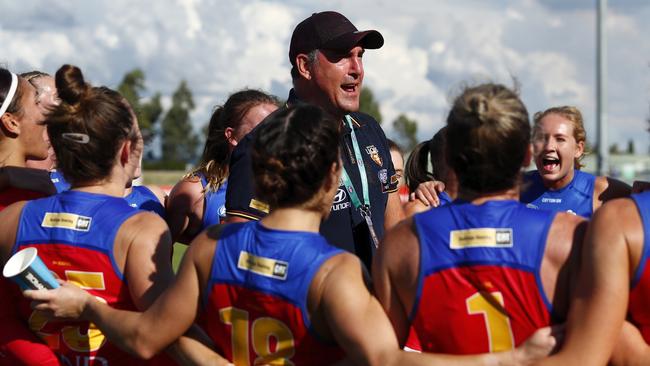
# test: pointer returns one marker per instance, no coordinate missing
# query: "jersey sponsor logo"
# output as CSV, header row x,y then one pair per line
x,y
374,154
340,196
65,220
267,267
551,200
481,237
222,211
340,206
259,205
530,205
340,201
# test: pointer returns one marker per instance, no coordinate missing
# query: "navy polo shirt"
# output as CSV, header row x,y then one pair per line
x,y
345,227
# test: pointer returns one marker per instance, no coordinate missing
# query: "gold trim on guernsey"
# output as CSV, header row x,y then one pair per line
x,y
242,214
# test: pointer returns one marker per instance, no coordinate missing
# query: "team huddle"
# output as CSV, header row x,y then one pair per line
x,y
300,251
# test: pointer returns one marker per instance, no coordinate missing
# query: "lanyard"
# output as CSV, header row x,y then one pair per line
x,y
364,209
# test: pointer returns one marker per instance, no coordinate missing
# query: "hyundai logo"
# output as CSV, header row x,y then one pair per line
x,y
340,196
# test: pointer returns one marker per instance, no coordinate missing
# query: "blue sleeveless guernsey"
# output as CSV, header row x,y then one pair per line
x,y
639,305
215,203
59,182
256,298
74,233
577,197
444,198
141,197
479,285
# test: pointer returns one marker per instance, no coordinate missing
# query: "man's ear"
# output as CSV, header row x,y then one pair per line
x,y
10,124
303,66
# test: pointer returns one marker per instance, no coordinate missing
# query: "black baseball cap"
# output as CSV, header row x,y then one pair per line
x,y
330,30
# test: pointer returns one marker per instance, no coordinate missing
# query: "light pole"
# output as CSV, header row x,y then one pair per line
x,y
601,86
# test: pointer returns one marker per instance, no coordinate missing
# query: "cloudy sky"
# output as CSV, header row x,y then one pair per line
x,y
431,48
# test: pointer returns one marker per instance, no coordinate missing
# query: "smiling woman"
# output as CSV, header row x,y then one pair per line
x,y
558,184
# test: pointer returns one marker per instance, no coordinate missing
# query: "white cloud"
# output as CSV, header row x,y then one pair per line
x,y
221,46
106,37
192,14
515,15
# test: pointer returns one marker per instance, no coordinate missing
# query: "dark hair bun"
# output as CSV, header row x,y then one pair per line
x,y
86,128
292,153
488,135
478,105
70,84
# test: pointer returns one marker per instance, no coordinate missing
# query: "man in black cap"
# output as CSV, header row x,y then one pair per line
x,y
327,70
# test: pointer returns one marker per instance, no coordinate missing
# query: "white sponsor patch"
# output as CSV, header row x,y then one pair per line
x,y
481,237
64,220
267,267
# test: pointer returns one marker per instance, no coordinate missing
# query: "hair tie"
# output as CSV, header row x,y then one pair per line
x,y
80,138
10,95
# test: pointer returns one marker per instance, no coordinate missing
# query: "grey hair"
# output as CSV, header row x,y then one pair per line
x,y
311,58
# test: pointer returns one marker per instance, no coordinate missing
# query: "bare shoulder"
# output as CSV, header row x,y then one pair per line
x,y
607,188
617,227
143,227
187,187
145,220
617,215
401,238
339,270
567,232
338,267
624,206
185,198
203,248
568,220
158,192
413,207
565,226
399,251
11,213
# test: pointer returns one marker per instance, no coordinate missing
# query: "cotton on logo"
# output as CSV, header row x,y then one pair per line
x,y
340,196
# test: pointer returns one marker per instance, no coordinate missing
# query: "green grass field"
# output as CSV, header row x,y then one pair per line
x,y
167,178
179,252
162,177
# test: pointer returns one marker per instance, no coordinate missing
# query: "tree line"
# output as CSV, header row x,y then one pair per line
x,y
178,140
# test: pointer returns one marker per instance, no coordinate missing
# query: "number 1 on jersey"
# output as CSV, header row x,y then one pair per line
x,y
497,323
